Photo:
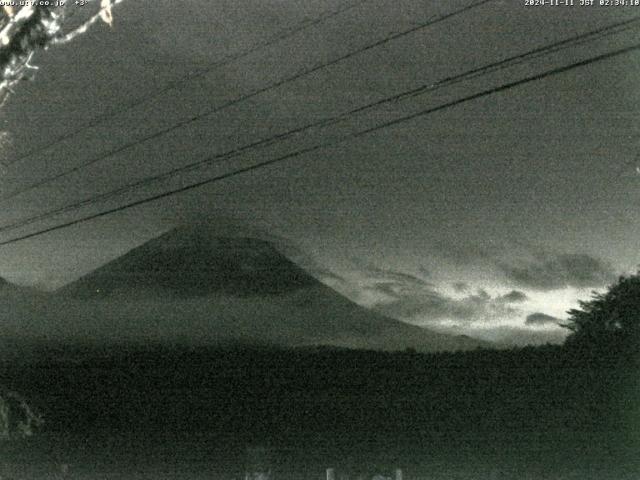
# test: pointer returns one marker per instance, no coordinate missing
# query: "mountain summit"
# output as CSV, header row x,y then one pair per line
x,y
192,262
193,284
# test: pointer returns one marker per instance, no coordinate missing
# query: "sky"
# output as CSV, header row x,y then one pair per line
x,y
490,218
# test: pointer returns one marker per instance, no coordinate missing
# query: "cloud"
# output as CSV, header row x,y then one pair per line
x,y
408,297
376,273
323,274
550,272
471,311
383,286
507,336
514,296
537,319
461,287
426,304
528,266
500,318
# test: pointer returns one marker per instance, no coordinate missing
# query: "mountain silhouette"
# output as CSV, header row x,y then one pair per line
x,y
194,284
192,262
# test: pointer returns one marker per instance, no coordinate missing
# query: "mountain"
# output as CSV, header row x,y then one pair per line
x,y
188,262
8,288
197,286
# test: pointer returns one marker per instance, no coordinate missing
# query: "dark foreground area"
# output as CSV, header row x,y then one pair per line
x,y
159,412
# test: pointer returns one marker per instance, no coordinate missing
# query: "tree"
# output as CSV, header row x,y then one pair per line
x,y
17,419
26,27
610,319
32,26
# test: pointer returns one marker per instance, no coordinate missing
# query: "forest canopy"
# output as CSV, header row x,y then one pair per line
x,y
608,320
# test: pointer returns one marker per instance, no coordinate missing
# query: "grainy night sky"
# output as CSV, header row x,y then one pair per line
x,y
489,218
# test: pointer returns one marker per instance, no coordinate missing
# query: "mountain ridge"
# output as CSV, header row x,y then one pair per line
x,y
191,264
191,282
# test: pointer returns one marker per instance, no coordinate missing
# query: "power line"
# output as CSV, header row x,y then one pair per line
x,y
238,100
508,62
421,90
298,153
613,29
285,34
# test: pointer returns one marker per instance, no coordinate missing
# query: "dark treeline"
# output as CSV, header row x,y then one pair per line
x,y
557,408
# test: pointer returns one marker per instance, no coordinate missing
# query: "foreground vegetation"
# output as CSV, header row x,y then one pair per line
x,y
536,412
541,406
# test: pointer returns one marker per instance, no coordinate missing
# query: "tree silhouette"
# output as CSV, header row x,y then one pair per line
x,y
17,419
32,26
610,319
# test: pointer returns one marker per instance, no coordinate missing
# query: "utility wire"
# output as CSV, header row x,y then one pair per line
x,y
285,34
613,29
236,101
421,90
298,153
